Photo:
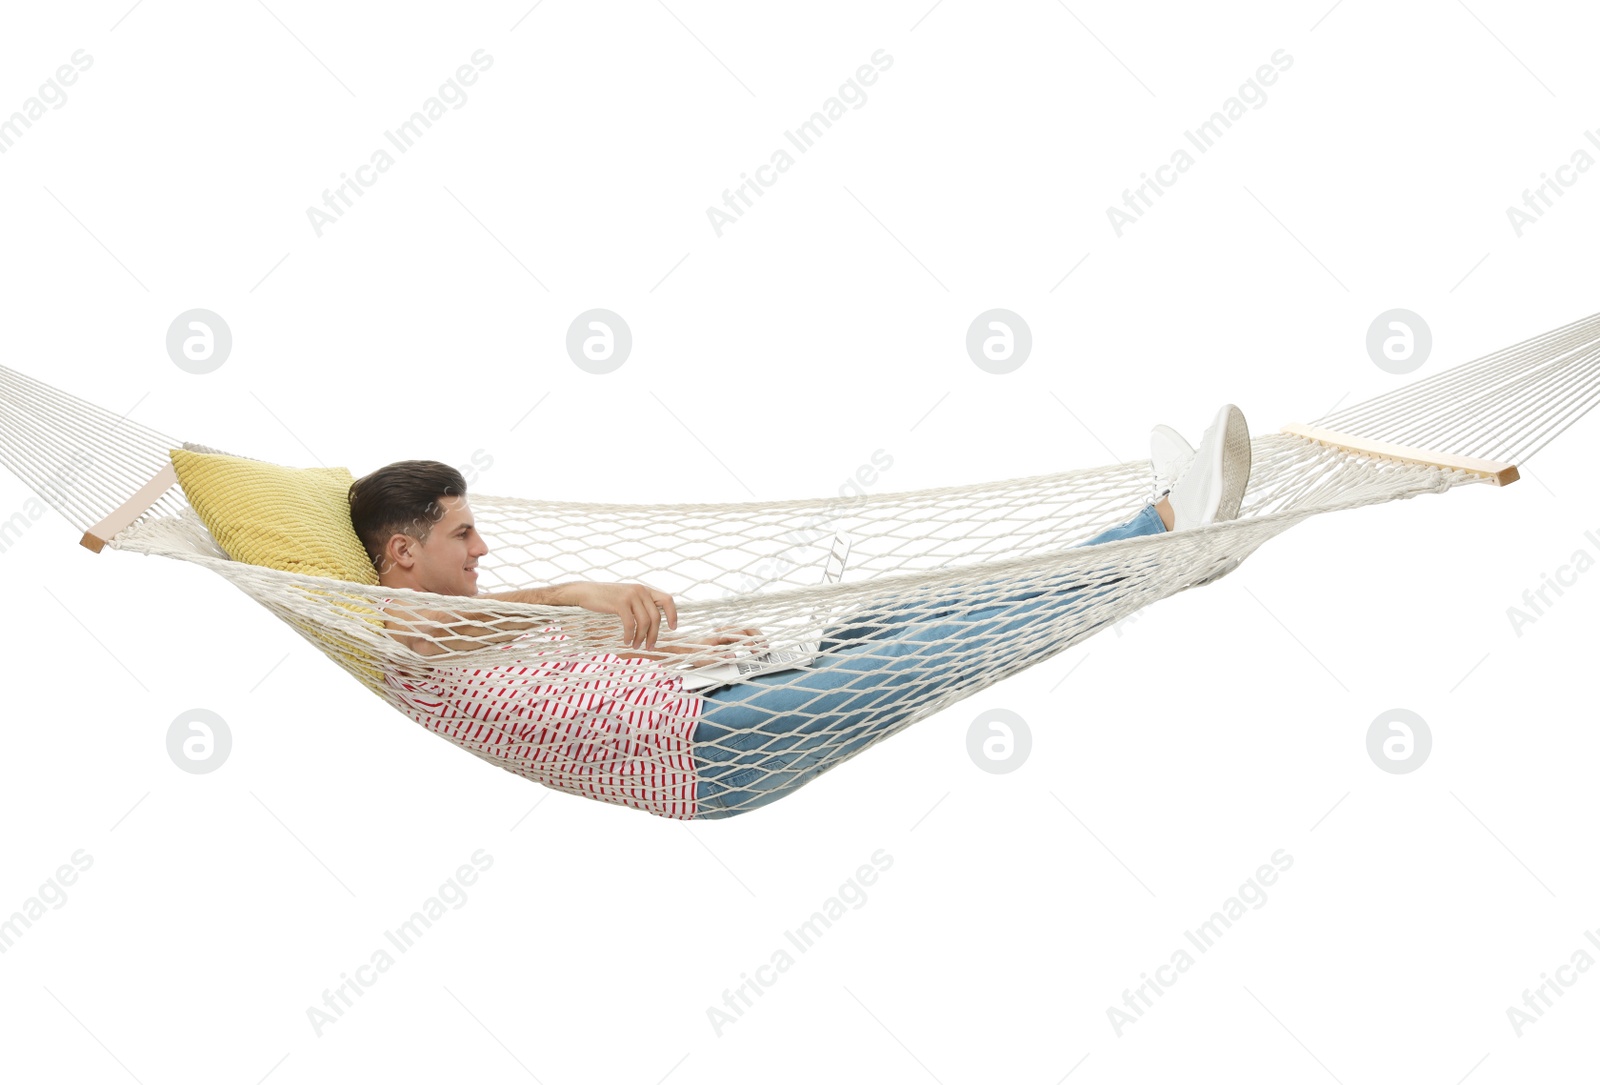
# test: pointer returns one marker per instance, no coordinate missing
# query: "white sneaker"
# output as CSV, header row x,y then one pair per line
x,y
1170,456
1212,487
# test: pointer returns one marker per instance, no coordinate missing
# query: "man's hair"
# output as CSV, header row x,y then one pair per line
x,y
401,499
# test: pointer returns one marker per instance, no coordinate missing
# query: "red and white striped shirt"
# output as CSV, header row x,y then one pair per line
x,y
623,736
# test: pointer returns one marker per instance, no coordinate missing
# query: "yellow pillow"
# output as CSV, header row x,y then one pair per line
x,y
293,519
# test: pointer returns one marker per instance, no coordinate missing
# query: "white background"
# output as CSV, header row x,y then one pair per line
x,y
771,362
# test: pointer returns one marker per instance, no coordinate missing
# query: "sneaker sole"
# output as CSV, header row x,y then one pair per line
x,y
1235,465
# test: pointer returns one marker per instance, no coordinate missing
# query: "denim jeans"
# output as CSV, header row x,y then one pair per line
x,y
758,740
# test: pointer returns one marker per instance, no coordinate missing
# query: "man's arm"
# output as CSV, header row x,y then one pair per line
x,y
557,595
570,594
639,606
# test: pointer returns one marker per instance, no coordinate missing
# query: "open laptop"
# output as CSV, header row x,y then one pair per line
x,y
778,659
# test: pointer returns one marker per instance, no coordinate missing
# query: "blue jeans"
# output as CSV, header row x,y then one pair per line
x,y
758,740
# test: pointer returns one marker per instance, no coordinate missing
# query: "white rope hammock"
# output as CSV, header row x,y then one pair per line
x,y
920,560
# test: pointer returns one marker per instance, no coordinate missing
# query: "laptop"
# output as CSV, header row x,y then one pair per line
x,y
777,659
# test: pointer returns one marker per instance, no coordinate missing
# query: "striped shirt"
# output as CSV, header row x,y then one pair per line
x,y
623,736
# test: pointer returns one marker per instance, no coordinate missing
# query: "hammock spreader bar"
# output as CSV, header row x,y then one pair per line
x,y
1501,474
130,510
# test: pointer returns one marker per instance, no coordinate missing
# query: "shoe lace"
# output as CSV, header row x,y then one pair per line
x,y
1165,480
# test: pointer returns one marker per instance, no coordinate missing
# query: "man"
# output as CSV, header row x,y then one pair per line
x,y
414,519
631,736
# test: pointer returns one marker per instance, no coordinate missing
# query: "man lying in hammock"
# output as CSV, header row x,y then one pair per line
x,y
630,735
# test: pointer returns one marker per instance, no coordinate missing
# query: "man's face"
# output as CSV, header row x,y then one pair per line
x,y
447,563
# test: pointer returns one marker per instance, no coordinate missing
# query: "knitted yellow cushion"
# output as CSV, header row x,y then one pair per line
x,y
293,519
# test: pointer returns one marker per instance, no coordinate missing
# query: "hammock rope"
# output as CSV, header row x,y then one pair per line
x,y
949,589
1504,406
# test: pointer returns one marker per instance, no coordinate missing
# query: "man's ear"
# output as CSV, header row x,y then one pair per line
x,y
400,552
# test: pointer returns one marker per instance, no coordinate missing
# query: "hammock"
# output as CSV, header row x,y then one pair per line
x,y
920,559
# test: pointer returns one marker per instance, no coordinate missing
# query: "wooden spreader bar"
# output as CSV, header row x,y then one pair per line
x,y
1501,474
130,510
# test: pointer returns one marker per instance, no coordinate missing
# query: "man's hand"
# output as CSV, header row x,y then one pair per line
x,y
638,605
